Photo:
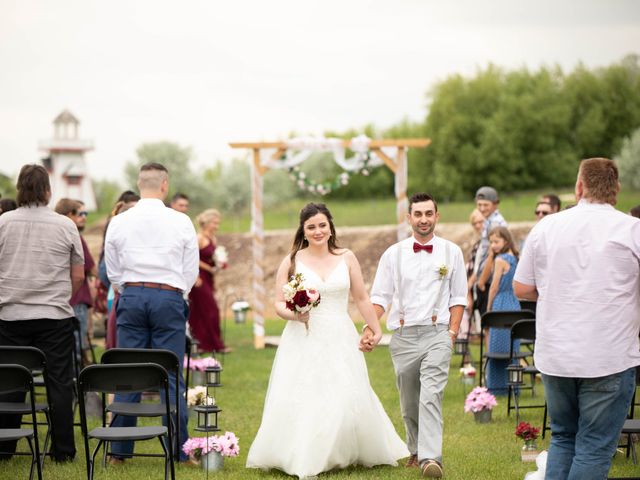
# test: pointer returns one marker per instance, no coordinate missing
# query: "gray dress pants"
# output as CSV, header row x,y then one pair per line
x,y
421,357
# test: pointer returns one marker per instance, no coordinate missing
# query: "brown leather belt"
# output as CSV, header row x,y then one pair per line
x,y
159,286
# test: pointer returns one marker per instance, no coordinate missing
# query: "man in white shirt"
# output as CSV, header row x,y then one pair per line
x,y
423,279
151,253
582,265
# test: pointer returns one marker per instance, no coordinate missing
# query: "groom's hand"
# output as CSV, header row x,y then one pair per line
x,y
367,341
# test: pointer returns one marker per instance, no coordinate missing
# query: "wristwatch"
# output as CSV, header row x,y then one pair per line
x,y
366,325
455,334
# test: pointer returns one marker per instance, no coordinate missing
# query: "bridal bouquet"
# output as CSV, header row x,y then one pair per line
x,y
298,297
221,257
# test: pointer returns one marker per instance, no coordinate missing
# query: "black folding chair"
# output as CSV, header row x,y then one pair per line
x,y
189,346
631,424
167,360
126,378
504,320
16,378
528,305
524,330
34,360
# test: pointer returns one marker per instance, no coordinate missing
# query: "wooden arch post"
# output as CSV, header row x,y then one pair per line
x,y
398,166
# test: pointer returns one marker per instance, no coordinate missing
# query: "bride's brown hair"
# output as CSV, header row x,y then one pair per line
x,y
299,242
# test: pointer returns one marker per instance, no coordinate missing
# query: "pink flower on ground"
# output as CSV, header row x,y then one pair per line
x,y
479,399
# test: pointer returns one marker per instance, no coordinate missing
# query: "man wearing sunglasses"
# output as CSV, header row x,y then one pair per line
x,y
542,210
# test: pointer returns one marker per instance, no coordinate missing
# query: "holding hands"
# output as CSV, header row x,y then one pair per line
x,y
369,339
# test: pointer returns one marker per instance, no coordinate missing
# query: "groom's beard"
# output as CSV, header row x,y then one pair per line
x,y
424,233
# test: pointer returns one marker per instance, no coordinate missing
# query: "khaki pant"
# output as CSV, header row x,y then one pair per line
x,y
421,357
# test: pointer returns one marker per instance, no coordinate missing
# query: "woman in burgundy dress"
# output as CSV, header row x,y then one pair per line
x,y
204,315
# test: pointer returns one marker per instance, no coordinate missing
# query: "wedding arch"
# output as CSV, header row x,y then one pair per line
x,y
288,154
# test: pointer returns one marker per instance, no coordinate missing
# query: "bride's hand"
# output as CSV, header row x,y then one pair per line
x,y
301,317
369,340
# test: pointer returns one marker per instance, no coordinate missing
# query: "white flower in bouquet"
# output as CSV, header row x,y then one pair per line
x,y
221,257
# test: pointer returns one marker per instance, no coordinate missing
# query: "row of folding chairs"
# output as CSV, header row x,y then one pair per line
x,y
121,371
521,325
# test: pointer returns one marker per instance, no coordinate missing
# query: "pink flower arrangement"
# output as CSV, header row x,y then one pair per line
x,y
479,399
226,445
201,364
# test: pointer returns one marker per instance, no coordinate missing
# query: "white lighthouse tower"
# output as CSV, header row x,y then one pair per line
x,y
65,162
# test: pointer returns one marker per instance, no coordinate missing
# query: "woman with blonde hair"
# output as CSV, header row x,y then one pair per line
x,y
204,315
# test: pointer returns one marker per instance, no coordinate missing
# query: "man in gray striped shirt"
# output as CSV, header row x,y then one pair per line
x,y
41,265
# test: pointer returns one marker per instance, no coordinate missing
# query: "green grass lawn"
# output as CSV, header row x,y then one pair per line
x,y
471,451
516,207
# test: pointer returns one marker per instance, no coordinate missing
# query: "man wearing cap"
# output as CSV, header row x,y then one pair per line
x,y
152,258
487,203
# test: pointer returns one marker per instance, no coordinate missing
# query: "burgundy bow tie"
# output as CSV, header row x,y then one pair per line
x,y
417,247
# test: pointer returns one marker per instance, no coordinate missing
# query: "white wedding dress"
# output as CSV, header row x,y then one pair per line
x,y
320,412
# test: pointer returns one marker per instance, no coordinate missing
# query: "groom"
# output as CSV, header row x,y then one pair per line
x,y
423,279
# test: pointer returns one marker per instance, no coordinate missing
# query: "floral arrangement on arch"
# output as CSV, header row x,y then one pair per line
x,y
201,364
527,432
227,445
198,396
479,399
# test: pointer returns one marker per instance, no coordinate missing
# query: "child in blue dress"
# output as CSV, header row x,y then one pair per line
x,y
501,297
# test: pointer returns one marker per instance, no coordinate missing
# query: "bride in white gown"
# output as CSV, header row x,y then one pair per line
x,y
320,412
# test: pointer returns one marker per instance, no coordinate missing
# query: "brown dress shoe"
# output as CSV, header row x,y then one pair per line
x,y
412,462
432,469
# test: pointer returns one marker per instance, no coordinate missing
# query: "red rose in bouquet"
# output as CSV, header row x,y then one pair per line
x,y
298,297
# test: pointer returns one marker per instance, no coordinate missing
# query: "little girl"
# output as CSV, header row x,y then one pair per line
x,y
501,297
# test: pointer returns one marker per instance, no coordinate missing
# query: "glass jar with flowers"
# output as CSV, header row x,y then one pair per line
x,y
480,402
240,309
468,374
529,434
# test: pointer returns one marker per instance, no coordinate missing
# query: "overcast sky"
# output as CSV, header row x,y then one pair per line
x,y
204,73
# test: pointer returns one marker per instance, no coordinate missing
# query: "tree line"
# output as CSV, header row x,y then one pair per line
x,y
512,129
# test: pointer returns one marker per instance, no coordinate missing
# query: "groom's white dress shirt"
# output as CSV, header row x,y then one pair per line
x,y
420,282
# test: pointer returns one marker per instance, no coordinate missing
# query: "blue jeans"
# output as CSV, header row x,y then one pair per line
x,y
151,318
81,312
587,415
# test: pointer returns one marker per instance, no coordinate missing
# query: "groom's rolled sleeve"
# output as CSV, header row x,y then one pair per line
x,y
458,281
382,289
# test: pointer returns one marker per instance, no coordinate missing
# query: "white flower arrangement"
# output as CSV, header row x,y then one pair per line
x,y
221,257
240,306
198,396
